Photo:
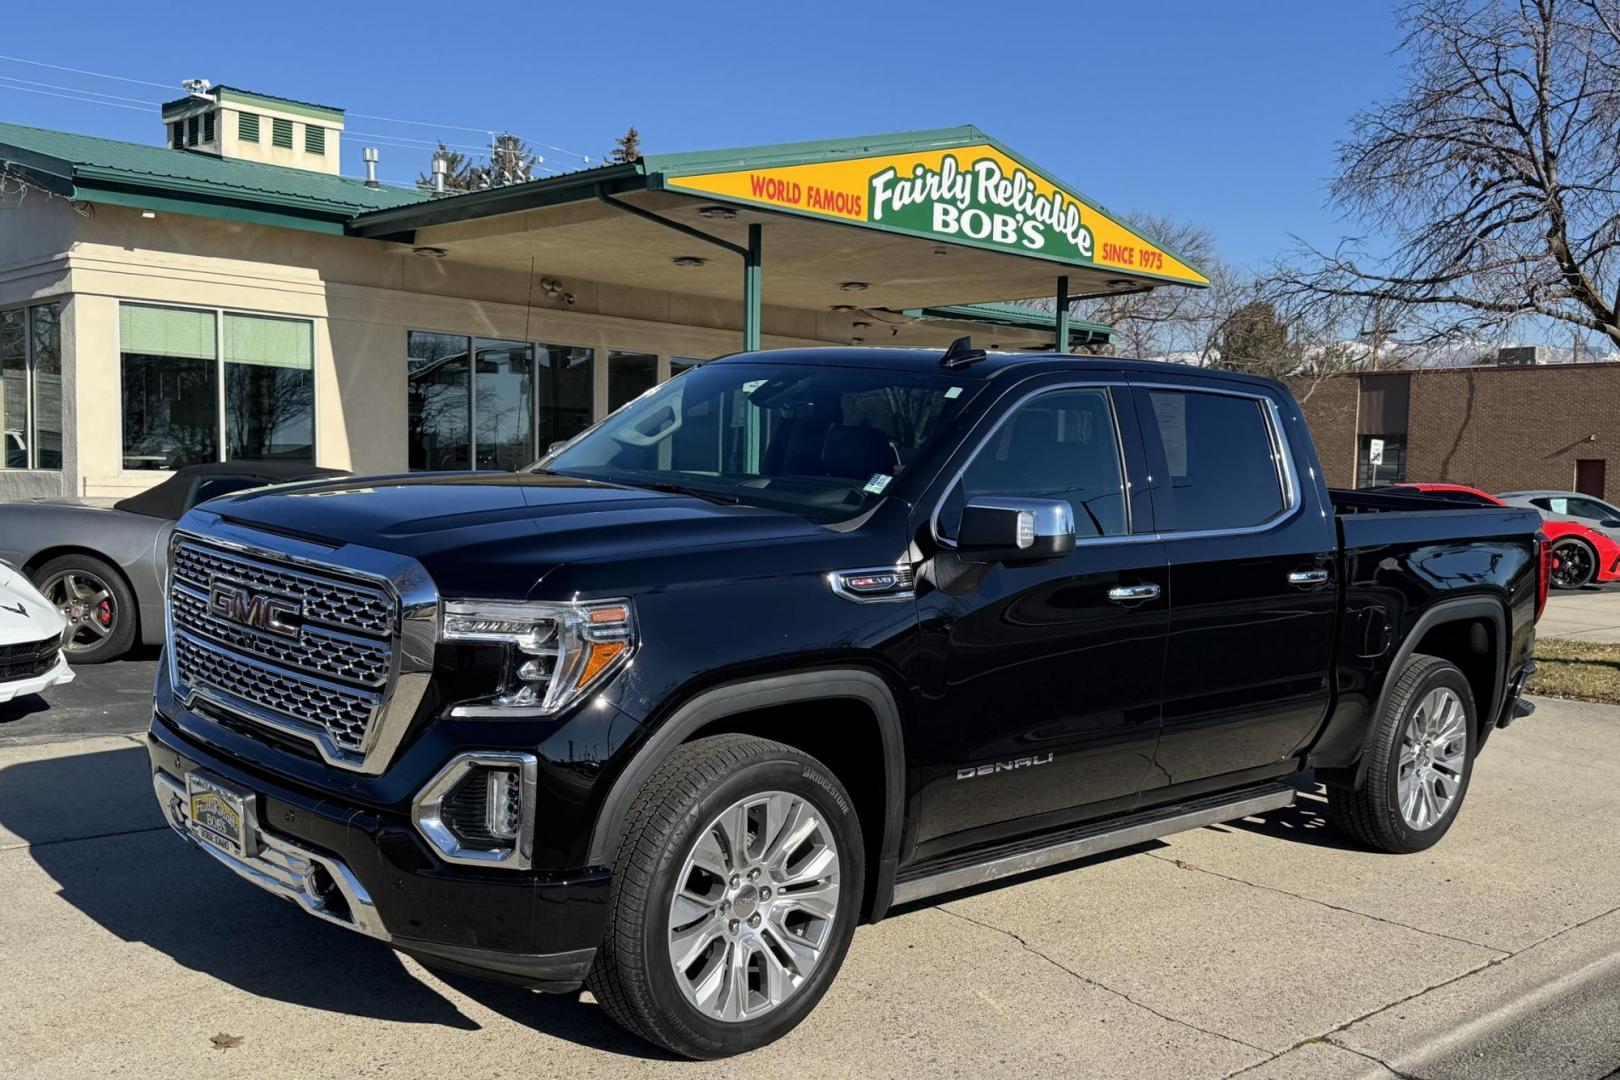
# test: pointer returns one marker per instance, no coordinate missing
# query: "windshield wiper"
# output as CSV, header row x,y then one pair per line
x,y
681,489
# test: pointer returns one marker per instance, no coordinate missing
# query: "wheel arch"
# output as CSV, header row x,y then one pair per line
x,y
1449,629
39,558
730,707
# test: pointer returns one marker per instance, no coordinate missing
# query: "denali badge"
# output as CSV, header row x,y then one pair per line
x,y
236,602
1005,766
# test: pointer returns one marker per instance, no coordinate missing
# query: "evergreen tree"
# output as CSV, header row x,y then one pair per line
x,y
626,148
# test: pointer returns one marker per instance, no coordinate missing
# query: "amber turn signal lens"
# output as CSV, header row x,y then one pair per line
x,y
601,654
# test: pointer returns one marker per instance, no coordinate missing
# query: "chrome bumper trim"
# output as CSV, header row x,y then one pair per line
x,y
279,866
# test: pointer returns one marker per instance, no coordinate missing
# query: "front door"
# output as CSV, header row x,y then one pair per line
x,y
1253,600
1044,678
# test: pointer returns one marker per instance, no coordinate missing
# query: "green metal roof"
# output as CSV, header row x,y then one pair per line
x,y
160,178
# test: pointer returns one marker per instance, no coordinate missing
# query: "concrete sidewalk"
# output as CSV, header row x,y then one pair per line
x,y
1591,614
1266,948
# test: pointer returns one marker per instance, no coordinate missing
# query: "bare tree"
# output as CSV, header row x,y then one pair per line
x,y
1494,174
1276,334
1171,321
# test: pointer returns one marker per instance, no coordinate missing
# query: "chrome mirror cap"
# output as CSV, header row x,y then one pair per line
x,y
996,529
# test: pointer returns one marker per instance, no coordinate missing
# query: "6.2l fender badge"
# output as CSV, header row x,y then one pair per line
x,y
874,584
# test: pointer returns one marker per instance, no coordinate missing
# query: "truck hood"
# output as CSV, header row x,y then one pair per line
x,y
495,534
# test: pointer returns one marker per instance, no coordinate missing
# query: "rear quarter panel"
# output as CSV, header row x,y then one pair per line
x,y
1400,565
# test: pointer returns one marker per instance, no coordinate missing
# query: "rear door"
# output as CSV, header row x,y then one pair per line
x,y
1253,600
1043,678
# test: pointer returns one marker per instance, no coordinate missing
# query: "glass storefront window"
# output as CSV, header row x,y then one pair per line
x,y
567,392
500,409
31,387
630,374
269,388
177,361
440,400
14,400
504,405
46,334
170,386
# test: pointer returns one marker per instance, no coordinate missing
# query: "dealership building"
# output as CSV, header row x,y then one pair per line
x,y
225,293
1502,426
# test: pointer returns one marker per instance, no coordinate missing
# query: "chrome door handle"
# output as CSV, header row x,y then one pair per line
x,y
1125,594
1308,577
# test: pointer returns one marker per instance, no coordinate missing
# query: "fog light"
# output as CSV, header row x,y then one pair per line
x,y
503,803
479,809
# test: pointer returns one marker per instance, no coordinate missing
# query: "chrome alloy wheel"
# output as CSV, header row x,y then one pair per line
x,y
1433,748
86,603
754,906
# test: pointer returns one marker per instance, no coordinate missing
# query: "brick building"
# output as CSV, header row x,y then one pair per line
x,y
1496,427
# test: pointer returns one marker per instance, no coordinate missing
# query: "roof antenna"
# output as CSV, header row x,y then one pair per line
x,y
961,354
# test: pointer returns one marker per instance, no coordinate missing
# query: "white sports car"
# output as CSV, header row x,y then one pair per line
x,y
31,657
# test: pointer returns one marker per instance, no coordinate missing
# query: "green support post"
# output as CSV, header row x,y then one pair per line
x,y
751,300
1063,314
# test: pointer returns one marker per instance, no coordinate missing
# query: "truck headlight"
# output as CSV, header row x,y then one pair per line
x,y
559,651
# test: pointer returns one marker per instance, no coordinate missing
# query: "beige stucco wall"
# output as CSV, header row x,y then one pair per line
x,y
361,295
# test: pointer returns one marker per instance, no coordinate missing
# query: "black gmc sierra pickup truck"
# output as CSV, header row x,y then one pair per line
x,y
801,635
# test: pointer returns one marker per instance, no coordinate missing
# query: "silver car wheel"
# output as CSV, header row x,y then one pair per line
x,y
1434,748
87,604
754,906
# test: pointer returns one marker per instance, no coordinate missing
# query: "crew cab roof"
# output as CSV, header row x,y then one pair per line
x,y
994,363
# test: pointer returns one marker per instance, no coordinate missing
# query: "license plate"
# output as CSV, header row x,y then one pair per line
x,y
218,814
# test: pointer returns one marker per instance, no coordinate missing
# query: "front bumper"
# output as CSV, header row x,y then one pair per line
x,y
371,872
58,674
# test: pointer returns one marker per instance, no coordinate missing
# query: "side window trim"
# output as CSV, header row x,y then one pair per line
x,y
1111,389
1281,451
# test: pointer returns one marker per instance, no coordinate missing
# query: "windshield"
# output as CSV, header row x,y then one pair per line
x,y
825,442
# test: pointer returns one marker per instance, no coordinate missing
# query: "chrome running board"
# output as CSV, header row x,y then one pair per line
x,y
963,871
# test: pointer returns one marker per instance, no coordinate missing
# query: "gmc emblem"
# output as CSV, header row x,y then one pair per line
x,y
239,604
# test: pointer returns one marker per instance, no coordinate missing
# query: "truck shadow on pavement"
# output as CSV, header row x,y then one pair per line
x,y
1305,822
92,824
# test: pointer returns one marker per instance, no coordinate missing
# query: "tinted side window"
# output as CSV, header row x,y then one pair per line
x,y
1061,445
1223,470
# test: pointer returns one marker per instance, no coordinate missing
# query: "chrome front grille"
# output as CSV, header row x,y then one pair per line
x,y
333,602
344,713
327,677
315,650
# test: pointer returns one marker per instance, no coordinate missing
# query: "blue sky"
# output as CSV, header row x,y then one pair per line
x,y
1225,113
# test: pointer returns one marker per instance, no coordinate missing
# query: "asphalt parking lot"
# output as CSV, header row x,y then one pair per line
x,y
1265,948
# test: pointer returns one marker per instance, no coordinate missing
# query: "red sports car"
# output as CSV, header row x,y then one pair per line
x,y
1579,555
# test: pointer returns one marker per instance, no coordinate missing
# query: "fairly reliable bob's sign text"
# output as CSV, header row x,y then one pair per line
x,y
971,194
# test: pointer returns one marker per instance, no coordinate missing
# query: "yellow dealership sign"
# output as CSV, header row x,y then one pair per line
x,y
976,195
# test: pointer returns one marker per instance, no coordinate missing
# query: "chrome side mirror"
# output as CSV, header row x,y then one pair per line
x,y
1015,530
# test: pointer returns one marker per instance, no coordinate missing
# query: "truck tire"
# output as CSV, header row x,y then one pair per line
x,y
735,892
97,603
1420,762
1574,564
